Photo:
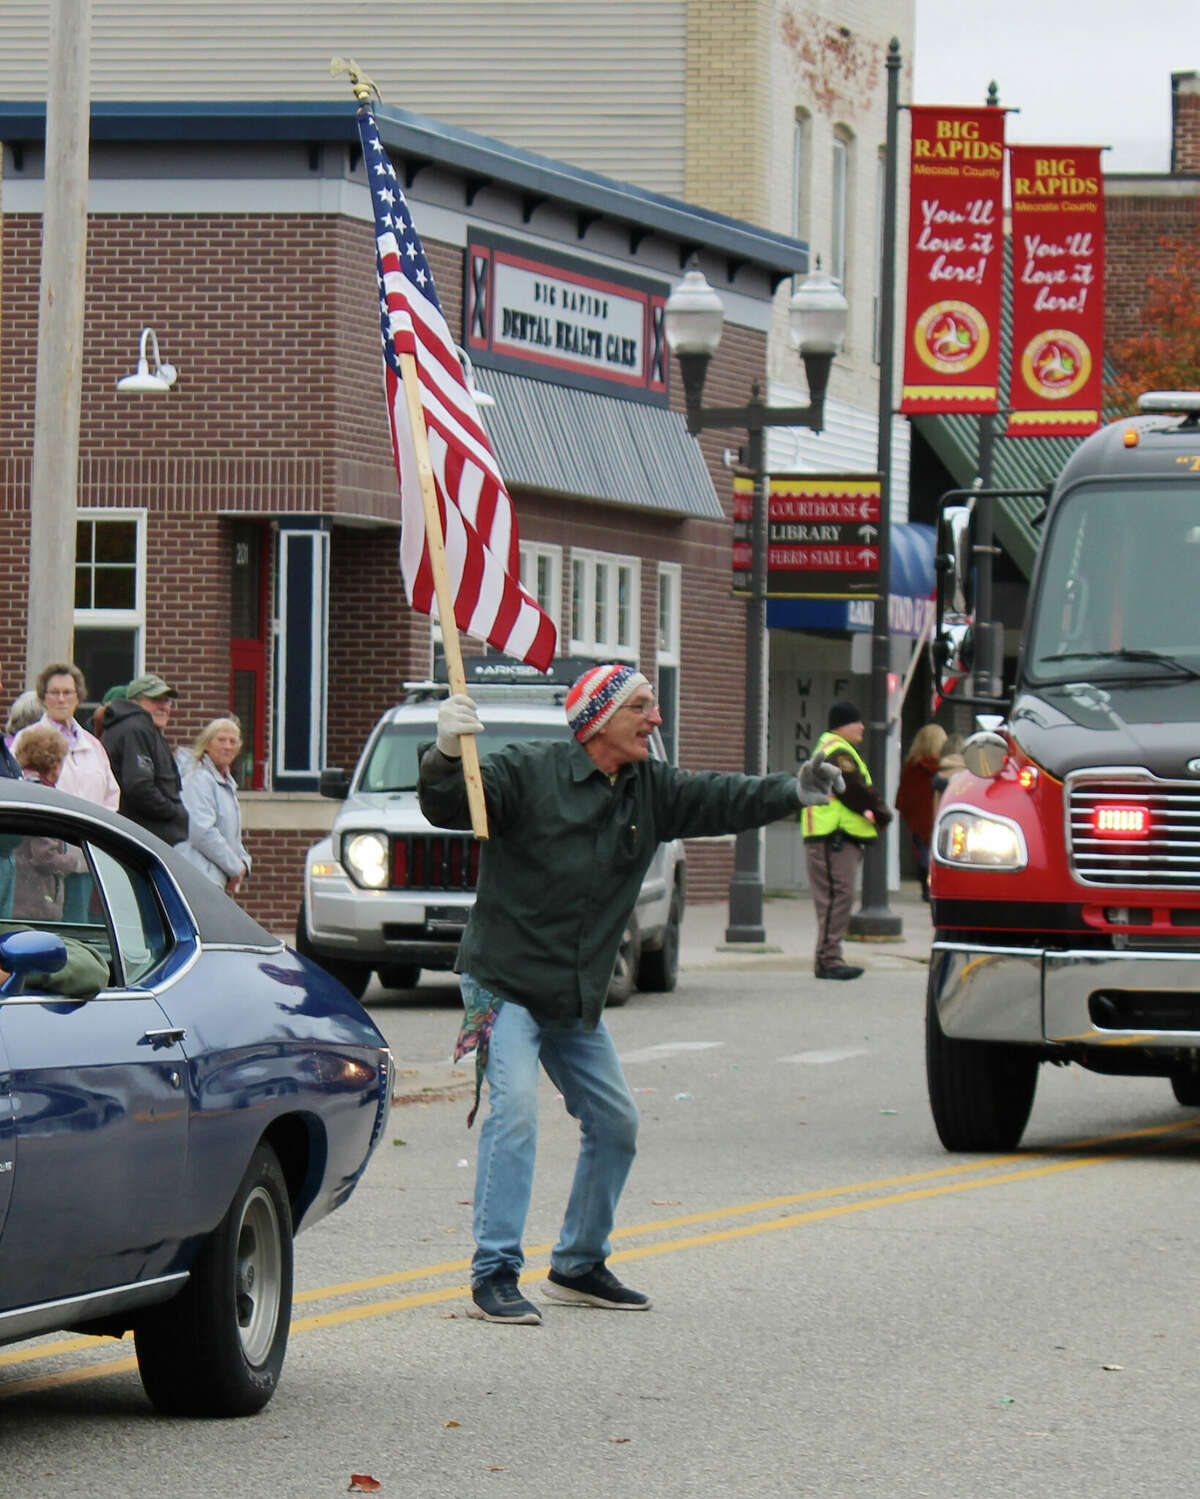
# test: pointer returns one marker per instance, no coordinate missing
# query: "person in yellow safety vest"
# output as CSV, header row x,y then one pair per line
x,y
834,837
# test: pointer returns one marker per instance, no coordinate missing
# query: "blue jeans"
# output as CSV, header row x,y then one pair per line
x,y
584,1068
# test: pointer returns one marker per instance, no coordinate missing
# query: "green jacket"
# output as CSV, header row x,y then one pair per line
x,y
562,867
84,975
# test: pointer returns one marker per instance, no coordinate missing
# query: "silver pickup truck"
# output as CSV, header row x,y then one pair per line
x,y
389,893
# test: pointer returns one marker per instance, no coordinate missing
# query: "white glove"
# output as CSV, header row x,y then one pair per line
x,y
817,780
456,716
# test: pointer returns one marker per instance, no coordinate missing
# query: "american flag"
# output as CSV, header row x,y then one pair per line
x,y
478,521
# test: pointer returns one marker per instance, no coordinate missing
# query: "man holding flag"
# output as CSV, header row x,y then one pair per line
x,y
574,825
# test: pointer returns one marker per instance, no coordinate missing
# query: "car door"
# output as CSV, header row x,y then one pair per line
x,y
98,1100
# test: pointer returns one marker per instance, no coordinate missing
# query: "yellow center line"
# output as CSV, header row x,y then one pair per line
x,y
372,1310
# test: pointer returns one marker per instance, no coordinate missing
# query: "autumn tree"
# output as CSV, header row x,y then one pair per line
x,y
1165,355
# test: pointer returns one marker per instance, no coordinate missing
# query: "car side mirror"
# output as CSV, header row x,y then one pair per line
x,y
23,953
334,783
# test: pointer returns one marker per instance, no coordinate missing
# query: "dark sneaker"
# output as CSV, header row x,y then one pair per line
x,y
839,971
596,1287
498,1299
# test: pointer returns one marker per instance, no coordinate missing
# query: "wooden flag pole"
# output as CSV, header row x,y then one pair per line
x,y
441,586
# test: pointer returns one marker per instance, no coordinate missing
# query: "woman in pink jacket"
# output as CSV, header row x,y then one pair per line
x,y
85,771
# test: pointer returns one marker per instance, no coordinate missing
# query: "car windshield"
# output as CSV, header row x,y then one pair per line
x,y
1116,587
392,763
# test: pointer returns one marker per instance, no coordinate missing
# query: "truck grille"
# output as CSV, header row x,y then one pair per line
x,y
1165,856
435,861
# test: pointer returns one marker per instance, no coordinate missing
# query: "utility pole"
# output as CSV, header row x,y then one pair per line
x,y
52,496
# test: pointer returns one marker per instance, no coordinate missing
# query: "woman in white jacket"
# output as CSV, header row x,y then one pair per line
x,y
214,842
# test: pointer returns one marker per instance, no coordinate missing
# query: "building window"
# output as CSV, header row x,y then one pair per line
x,y
839,223
110,598
667,654
605,604
541,576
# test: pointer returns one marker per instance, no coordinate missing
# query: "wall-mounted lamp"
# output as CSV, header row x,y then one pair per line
x,y
149,382
480,397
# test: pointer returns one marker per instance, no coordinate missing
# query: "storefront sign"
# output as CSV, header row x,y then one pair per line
x,y
532,312
1057,291
822,535
952,320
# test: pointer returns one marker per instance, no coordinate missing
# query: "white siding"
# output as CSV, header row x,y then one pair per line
x,y
599,83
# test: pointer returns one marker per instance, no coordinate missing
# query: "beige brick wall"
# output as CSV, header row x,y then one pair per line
x,y
726,135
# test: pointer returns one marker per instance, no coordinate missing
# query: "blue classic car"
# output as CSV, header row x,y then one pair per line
x,y
179,1094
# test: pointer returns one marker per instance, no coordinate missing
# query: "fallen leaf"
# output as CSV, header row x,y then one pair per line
x,y
453,1423
1112,1366
494,1468
363,1483
399,1142
619,1440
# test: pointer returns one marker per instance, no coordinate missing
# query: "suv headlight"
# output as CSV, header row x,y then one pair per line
x,y
975,841
365,856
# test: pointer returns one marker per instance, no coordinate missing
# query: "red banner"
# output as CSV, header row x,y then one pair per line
x,y
955,267
1058,290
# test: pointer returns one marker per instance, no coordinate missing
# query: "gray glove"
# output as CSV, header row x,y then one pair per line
x,y
456,716
817,780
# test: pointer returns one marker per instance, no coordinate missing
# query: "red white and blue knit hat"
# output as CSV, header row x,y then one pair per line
x,y
597,695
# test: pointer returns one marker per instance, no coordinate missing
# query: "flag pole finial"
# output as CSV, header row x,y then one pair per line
x,y
363,86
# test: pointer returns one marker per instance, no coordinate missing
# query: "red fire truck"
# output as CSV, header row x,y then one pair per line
x,y
1065,875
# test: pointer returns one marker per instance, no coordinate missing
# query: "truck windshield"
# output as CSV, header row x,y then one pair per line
x,y
1116,593
392,763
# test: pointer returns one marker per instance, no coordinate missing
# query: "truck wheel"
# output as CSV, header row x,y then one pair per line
x,y
658,971
622,984
399,976
217,1348
980,1092
355,976
1186,1088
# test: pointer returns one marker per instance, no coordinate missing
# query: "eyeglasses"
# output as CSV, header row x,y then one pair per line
x,y
643,707
62,692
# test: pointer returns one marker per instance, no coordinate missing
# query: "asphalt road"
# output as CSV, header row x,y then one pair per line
x,y
841,1308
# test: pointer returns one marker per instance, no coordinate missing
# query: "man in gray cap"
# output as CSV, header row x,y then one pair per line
x,y
134,735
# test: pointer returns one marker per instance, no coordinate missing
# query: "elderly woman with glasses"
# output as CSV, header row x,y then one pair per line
x,y
210,794
85,772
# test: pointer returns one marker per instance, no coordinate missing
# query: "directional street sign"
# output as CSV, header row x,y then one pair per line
x,y
822,536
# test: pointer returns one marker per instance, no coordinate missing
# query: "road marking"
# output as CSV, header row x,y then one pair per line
x,y
1158,1136
819,1058
665,1048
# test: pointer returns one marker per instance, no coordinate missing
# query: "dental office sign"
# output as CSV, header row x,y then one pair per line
x,y
533,312
1057,290
955,261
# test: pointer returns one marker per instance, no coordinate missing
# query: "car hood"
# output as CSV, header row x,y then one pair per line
x,y
392,811
1155,724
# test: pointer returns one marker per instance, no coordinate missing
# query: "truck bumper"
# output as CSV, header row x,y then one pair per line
x,y
1088,998
383,926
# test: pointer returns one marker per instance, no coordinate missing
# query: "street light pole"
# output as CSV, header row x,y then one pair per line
x,y
875,919
817,317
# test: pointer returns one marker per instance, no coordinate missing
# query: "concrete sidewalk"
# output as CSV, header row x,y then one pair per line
x,y
790,924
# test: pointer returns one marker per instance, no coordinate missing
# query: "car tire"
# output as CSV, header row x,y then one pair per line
x,y
980,1092
400,976
217,1348
1186,1088
623,981
658,970
355,976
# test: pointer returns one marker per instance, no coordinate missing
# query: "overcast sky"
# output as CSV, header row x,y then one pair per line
x,y
1081,72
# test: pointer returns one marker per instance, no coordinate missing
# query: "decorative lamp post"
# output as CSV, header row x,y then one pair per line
x,y
817,324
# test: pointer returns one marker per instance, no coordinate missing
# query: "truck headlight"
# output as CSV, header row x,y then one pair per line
x,y
975,841
365,856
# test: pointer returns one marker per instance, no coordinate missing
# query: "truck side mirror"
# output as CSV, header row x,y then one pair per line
x,y
334,783
984,754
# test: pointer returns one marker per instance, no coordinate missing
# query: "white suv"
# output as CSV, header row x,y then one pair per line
x,y
388,892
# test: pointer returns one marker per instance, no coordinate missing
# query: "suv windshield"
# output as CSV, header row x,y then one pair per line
x,y
392,763
1116,586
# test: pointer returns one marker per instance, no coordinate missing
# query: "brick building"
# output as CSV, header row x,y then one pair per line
x,y
240,535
